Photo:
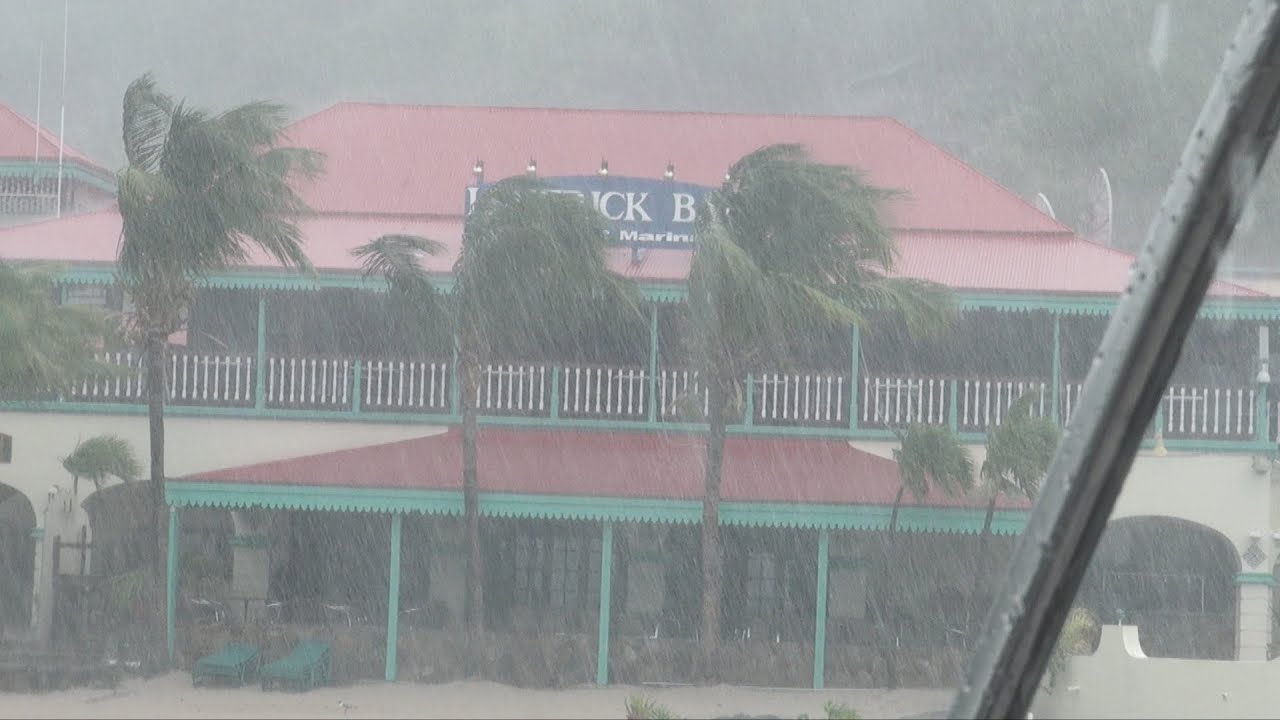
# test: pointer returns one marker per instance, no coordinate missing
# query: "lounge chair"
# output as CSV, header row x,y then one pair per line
x,y
308,666
236,663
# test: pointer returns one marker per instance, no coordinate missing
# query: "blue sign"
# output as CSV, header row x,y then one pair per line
x,y
643,212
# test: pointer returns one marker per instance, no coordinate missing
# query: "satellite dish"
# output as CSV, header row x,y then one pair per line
x,y
1042,204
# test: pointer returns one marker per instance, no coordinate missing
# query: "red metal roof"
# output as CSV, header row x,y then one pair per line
x,y
1057,264
19,136
417,159
603,464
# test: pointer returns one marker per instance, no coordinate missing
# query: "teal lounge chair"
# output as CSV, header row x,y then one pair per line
x,y
308,666
235,663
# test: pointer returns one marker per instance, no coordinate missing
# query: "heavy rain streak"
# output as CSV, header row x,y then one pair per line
x,y
585,358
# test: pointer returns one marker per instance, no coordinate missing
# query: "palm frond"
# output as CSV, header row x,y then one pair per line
x,y
1019,450
932,456
103,456
147,116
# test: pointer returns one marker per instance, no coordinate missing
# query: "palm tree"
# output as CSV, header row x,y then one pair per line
x,y
929,457
1019,451
198,191
788,249
100,457
531,276
47,346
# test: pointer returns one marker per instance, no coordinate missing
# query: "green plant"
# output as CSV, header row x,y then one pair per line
x,y
840,711
640,707
1080,634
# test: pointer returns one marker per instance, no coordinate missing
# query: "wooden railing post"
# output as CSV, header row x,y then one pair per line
x,y
750,401
356,384
653,363
953,405
555,390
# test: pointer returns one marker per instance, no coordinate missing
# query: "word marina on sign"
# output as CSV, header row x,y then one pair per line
x,y
641,211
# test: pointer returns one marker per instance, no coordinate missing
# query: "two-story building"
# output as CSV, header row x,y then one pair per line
x,y
326,449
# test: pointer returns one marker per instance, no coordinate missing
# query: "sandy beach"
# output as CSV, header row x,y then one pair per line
x,y
171,696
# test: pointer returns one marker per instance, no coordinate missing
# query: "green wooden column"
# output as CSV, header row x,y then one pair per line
x,y
171,582
1054,391
856,346
455,394
1261,426
260,377
393,598
606,605
820,614
653,362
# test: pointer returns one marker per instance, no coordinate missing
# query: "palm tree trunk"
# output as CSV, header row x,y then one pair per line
x,y
717,409
880,595
157,388
980,568
469,372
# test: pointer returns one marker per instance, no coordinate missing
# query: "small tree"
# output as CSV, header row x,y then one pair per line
x,y
100,457
928,457
1019,451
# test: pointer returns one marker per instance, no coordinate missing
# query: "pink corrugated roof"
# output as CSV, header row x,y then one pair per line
x,y
414,159
1056,263
606,464
18,138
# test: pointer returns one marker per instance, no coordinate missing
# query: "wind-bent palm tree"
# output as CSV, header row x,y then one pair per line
x,y
199,190
44,346
531,276
788,249
929,457
100,457
1019,451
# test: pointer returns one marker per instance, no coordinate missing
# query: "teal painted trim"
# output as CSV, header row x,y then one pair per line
x,y
555,392
192,493
664,292
171,583
393,599
356,385
855,361
1255,579
653,363
820,612
249,541
1218,308
70,168
606,603
1056,372
953,405
869,517
1241,446
598,509
260,377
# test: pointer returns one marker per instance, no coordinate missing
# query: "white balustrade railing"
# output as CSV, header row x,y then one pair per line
x,y
800,399
202,379
604,392
404,385
624,393
514,389
294,382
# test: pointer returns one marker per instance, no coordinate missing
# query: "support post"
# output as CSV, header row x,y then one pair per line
x,y
653,362
260,376
455,393
171,582
1054,396
953,405
1262,425
820,613
856,359
555,390
606,582
356,385
393,598
750,403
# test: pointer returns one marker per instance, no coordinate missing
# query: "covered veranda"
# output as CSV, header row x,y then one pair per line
x,y
607,480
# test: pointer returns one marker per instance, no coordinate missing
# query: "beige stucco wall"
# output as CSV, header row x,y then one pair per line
x,y
1118,681
193,445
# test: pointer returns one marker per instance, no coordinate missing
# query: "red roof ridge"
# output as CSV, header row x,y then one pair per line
x,y
974,172
70,152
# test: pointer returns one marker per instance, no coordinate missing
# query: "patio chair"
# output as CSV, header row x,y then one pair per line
x,y
308,666
235,663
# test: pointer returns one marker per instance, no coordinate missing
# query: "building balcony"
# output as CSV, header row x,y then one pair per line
x,y
820,404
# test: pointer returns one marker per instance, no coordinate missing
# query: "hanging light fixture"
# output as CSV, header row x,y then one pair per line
x,y
532,167
670,172
478,171
604,168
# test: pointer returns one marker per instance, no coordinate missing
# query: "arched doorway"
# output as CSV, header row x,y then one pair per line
x,y
1173,578
17,558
